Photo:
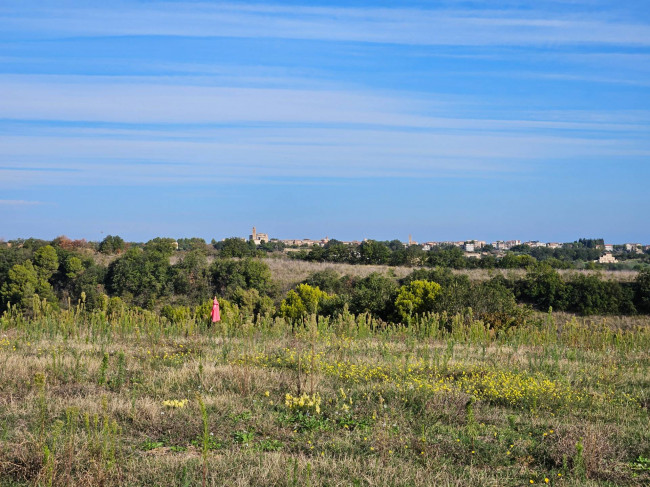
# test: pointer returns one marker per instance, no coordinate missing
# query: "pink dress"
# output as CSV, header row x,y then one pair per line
x,y
216,315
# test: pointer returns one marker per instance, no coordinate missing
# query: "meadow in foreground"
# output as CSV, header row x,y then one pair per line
x,y
131,399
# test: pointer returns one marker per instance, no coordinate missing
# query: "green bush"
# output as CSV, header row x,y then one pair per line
x,y
417,297
303,301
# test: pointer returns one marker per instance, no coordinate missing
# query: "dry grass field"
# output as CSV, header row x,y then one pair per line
x,y
90,399
289,272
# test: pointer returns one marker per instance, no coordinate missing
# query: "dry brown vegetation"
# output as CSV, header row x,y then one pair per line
x,y
289,272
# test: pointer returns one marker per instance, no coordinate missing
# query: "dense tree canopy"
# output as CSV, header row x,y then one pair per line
x,y
229,274
112,245
236,247
141,275
374,294
155,275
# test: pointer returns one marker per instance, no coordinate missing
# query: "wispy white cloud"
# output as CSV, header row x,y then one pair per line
x,y
143,100
123,100
603,77
19,203
304,152
608,79
374,25
196,132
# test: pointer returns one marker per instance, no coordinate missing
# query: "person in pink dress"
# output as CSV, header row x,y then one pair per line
x,y
216,314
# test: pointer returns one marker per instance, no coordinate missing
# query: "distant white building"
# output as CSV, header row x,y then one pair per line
x,y
469,247
609,247
607,259
507,245
634,247
533,244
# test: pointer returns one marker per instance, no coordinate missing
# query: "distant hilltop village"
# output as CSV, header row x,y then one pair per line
x,y
472,248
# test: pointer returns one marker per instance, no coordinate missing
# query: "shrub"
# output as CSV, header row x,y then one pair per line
x,y
303,301
175,314
417,297
374,294
642,291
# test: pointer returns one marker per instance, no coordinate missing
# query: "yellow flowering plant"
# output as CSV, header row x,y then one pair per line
x,y
305,403
175,403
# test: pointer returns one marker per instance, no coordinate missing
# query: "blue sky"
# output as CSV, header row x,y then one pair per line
x,y
445,120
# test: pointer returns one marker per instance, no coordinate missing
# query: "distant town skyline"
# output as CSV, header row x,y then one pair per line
x,y
261,237
503,120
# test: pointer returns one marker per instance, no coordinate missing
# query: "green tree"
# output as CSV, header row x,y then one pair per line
x,y
73,267
410,256
591,295
21,285
191,277
89,283
9,257
442,275
24,281
303,301
191,244
447,256
272,246
417,297
494,302
176,314
642,291
251,303
162,246
328,280
512,261
334,251
141,275
235,247
229,274
46,262
455,292
112,245
544,288
373,252
33,243
374,294
395,245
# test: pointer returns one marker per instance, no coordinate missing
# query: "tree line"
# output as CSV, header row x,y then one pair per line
x,y
145,276
576,255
